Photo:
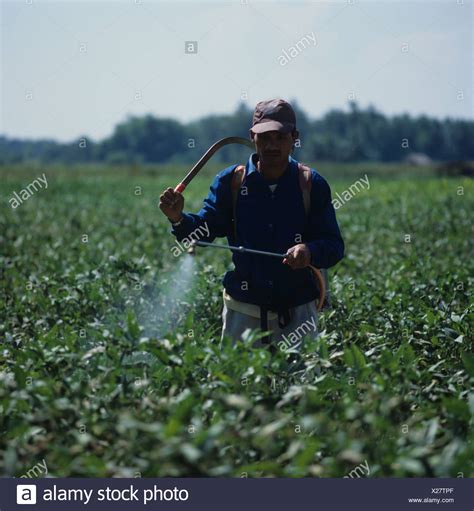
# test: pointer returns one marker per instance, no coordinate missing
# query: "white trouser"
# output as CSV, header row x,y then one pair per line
x,y
303,324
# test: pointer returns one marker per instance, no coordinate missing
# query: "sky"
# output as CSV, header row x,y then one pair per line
x,y
71,69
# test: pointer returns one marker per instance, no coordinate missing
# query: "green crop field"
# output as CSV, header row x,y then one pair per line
x,y
111,362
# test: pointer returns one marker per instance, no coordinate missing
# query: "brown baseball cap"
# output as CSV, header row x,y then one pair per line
x,y
273,115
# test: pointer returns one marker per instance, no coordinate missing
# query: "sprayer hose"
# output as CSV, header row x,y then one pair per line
x,y
322,287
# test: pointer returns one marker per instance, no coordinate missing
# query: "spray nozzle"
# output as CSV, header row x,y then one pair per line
x,y
192,249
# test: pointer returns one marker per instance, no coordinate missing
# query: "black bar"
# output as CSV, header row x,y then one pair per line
x,y
226,494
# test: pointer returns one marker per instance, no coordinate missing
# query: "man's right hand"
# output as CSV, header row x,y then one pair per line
x,y
172,204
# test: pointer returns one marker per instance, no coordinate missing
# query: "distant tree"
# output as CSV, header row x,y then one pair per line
x,y
149,138
354,134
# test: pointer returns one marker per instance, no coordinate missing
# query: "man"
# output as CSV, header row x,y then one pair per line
x,y
276,295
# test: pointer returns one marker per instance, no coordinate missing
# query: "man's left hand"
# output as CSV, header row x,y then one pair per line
x,y
298,256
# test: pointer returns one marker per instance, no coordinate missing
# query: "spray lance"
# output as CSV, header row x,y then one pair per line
x,y
193,172
207,156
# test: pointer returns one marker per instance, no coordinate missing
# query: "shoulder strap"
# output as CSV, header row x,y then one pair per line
x,y
238,176
304,176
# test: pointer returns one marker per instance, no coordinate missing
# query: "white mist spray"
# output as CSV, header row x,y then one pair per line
x,y
166,307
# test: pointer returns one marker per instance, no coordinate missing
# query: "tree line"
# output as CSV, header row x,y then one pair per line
x,y
351,135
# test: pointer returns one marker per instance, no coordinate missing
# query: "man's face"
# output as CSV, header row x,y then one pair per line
x,y
274,147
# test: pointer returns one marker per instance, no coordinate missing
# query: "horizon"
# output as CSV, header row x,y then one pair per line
x,y
310,118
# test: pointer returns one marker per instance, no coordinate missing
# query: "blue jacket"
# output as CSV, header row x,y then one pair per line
x,y
273,222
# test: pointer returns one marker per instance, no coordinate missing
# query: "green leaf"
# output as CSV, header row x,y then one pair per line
x,y
132,325
468,361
